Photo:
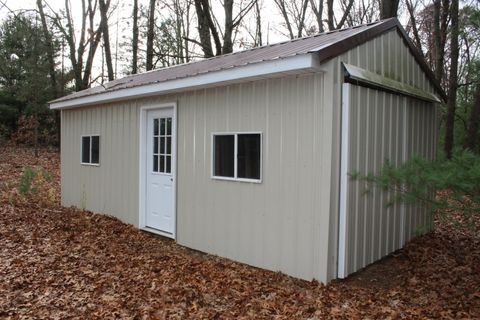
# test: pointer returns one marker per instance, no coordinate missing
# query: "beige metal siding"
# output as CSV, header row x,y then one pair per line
x,y
389,56
280,224
382,127
111,187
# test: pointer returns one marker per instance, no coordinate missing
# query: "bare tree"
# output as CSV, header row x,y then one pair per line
x,y
49,46
208,28
106,37
473,123
81,71
150,35
318,12
294,14
332,24
412,24
135,38
452,80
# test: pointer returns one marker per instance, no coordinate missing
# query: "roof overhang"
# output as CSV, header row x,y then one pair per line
x,y
305,63
361,76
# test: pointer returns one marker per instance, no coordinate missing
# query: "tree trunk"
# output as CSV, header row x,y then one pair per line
x,y
330,15
438,41
135,38
452,81
258,22
318,12
473,123
49,45
388,9
93,40
106,37
150,35
203,30
286,18
227,37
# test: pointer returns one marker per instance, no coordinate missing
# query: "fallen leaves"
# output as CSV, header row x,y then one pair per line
x,y
62,263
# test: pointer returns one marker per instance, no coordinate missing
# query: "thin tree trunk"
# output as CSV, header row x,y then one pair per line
x,y
318,12
413,22
51,65
150,35
301,24
93,41
452,81
135,38
473,123
258,31
438,41
106,37
50,52
227,36
330,15
283,10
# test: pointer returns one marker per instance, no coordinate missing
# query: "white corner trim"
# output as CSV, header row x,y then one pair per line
x,y
342,228
142,148
305,62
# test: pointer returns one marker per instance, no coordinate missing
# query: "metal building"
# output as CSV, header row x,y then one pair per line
x,y
247,155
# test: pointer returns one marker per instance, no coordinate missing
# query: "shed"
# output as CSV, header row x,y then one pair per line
x,y
247,155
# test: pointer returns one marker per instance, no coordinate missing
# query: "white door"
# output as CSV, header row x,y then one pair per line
x,y
160,170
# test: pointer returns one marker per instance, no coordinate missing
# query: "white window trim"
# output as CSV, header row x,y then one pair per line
x,y
235,159
81,150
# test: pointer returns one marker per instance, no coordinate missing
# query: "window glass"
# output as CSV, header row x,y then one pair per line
x,y
162,164
248,156
169,126
224,155
168,168
155,163
85,149
162,126
95,145
155,127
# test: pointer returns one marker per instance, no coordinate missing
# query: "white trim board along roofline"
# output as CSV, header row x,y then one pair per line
x,y
296,64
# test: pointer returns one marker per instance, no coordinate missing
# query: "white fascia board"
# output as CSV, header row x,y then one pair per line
x,y
261,69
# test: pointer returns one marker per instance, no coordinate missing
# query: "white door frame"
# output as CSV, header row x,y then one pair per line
x,y
142,166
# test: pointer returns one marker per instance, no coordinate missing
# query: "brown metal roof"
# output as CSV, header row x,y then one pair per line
x,y
327,45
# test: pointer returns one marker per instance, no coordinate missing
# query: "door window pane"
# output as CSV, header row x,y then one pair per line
x,y
248,156
168,167
169,126
162,126
162,164
155,144
155,127
224,155
169,145
155,163
162,145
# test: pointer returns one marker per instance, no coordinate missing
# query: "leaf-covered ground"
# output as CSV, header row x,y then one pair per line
x,y
62,263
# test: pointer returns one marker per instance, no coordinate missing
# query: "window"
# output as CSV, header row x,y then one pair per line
x,y
91,149
162,145
237,156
